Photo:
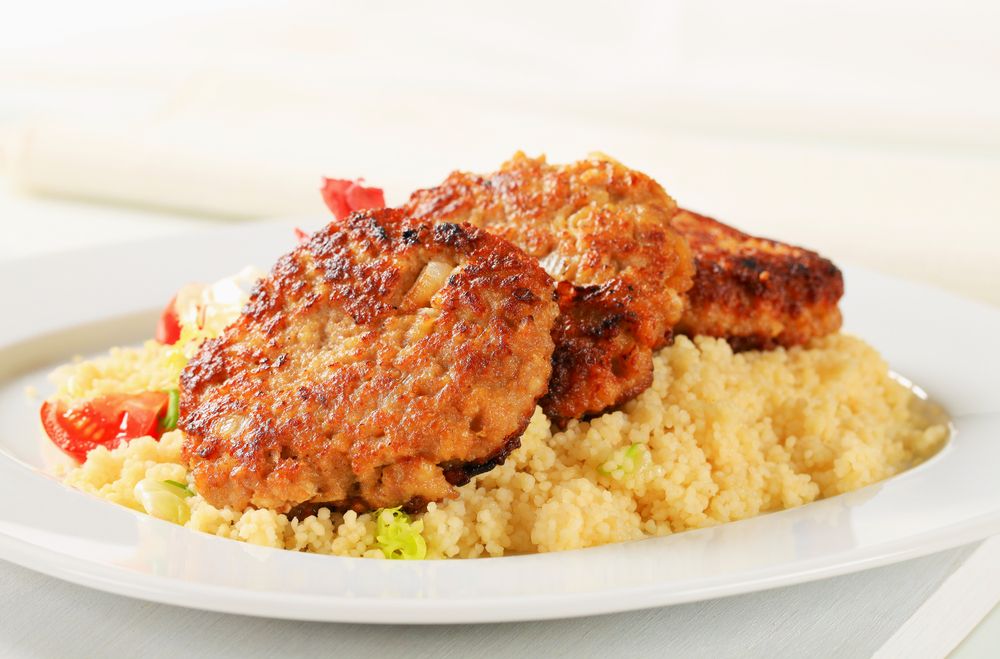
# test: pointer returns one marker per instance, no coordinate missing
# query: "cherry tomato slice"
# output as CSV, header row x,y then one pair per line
x,y
105,421
343,197
168,330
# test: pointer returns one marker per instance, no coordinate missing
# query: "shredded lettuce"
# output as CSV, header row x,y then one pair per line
x,y
398,537
625,461
164,499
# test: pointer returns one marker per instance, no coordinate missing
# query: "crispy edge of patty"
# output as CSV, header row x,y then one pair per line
x,y
607,330
283,291
757,293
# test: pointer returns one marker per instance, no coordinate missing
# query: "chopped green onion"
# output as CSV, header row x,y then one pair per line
x,y
186,491
624,462
163,500
169,420
398,537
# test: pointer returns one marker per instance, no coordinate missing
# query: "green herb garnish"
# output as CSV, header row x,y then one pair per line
x,y
398,537
180,486
624,462
163,499
169,420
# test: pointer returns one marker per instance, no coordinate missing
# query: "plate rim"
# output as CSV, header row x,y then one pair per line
x,y
160,588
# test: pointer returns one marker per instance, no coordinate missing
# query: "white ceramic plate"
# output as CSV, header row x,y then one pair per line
x,y
84,302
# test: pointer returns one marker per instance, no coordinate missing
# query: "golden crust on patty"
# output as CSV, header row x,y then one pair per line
x,y
756,293
603,231
378,365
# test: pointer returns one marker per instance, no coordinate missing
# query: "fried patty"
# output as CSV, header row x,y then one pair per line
x,y
757,293
603,231
379,364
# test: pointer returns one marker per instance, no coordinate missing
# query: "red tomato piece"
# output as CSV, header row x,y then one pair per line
x,y
335,196
104,421
360,198
168,329
343,197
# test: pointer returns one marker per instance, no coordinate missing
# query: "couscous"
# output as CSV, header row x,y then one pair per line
x,y
717,437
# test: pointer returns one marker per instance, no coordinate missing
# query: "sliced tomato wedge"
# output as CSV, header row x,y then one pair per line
x,y
343,197
168,330
105,421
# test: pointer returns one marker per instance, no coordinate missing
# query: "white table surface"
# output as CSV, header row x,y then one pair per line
x,y
44,617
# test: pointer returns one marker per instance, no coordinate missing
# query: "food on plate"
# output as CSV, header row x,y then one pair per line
x,y
168,329
719,436
108,420
603,231
343,197
391,389
754,292
380,364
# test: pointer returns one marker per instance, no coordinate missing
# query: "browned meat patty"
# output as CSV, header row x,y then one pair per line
x,y
603,231
757,293
379,364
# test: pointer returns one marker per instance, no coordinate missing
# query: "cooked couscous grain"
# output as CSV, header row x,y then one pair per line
x,y
717,437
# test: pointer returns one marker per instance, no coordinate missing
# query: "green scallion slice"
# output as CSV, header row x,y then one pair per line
x,y
169,420
180,486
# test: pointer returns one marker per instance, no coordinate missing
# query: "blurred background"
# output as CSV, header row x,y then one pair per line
x,y
867,130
